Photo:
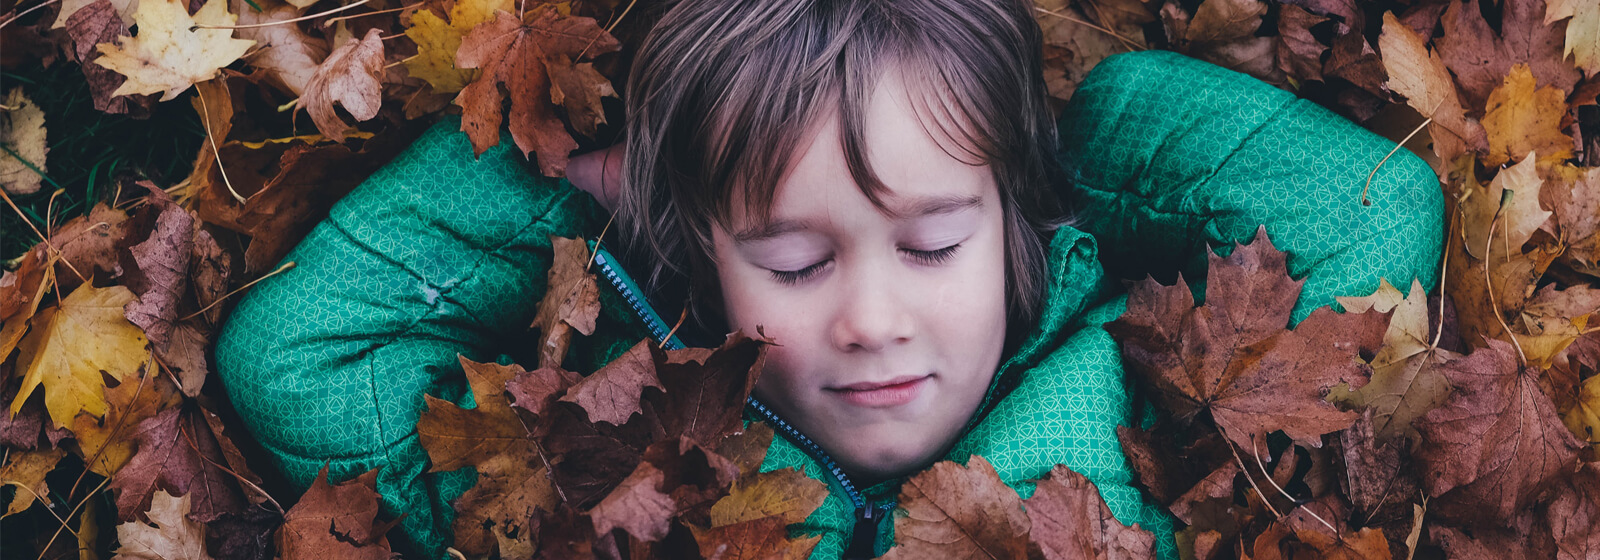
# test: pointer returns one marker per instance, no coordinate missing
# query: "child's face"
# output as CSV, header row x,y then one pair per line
x,y
889,327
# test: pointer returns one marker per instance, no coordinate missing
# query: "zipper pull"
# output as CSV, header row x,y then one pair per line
x,y
864,537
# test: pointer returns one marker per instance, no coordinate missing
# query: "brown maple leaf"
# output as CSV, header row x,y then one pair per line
x,y
1574,514
163,261
612,393
533,59
1496,442
756,539
637,506
181,451
953,511
337,521
571,300
1305,531
1480,58
1232,356
351,77
1071,521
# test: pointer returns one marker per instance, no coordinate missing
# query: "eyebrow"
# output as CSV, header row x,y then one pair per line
x,y
922,207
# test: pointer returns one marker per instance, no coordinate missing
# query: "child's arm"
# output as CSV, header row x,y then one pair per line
x,y
437,254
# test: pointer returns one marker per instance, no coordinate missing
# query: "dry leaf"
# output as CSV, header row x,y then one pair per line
x,y
22,131
167,57
350,77
338,521
72,344
173,537
1521,119
1071,522
953,511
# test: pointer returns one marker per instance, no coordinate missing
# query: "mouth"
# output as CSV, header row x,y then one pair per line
x,y
887,394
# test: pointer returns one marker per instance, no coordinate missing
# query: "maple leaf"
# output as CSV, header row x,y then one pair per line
x,y
1223,32
612,393
458,437
786,493
350,77
288,57
21,292
1307,525
22,130
496,512
163,259
636,506
1070,521
705,401
525,57
90,246
756,539
1574,513
1583,31
98,22
1521,119
167,57
1072,49
26,470
1480,57
1232,356
182,450
107,443
1373,472
1421,76
437,42
173,537
1496,442
1577,215
1405,380
338,521
123,8
1299,52
1218,484
953,511
571,300
72,344
1583,417
1512,271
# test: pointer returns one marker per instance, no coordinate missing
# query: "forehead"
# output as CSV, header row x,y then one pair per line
x,y
908,144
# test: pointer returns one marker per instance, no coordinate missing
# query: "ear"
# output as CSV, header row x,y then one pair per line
x,y
599,173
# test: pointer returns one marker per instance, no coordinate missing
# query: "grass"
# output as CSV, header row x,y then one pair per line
x,y
91,151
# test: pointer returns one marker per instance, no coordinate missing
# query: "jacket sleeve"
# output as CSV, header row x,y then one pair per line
x,y
436,254
1173,154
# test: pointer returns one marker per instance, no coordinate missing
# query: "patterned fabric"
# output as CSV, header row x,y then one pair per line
x,y
439,254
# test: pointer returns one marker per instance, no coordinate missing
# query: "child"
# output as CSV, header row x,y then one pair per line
x,y
873,184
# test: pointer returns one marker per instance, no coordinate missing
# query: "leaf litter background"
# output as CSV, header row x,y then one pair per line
x,y
1460,426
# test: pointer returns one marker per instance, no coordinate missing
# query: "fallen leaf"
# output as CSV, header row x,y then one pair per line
x,y
123,8
1421,76
524,57
98,22
612,393
178,452
163,258
1574,513
25,470
1512,270
169,535
1232,356
1308,526
437,42
72,344
350,77
1481,55
636,506
1496,442
1583,31
953,511
1405,380
786,493
89,246
287,56
107,443
338,521
1521,119
22,131
1071,521
756,539
571,301
498,510
169,55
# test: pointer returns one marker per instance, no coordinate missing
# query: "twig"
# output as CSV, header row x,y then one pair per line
x,y
1274,483
401,61
42,500
1489,282
42,237
681,316
613,25
595,254
1246,470
212,138
72,513
272,23
353,16
196,447
281,268
1126,42
1374,173
25,12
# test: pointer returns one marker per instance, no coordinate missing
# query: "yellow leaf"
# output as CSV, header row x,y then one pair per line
x,y
125,8
167,57
1584,416
1521,216
26,471
1583,31
71,344
437,42
784,492
1521,119
22,130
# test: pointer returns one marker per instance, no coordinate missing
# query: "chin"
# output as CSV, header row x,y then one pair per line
x,y
883,458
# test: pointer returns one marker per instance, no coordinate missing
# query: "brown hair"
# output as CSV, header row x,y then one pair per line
x,y
722,91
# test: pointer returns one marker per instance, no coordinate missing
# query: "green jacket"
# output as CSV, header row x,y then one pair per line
x,y
438,254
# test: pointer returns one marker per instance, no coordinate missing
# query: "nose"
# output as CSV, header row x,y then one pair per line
x,y
872,313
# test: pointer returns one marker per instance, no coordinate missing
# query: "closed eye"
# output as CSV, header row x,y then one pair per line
x,y
792,277
936,256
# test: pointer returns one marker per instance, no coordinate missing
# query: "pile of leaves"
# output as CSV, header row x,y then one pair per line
x,y
1460,424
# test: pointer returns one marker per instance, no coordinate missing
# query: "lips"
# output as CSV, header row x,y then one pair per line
x,y
891,393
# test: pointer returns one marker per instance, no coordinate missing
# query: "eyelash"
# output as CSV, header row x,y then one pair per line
x,y
936,256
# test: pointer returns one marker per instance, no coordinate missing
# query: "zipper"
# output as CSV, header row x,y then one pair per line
x,y
630,292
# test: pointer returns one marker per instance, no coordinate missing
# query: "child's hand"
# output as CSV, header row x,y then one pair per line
x,y
598,173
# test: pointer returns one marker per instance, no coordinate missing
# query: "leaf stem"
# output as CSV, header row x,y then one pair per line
x,y
272,23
